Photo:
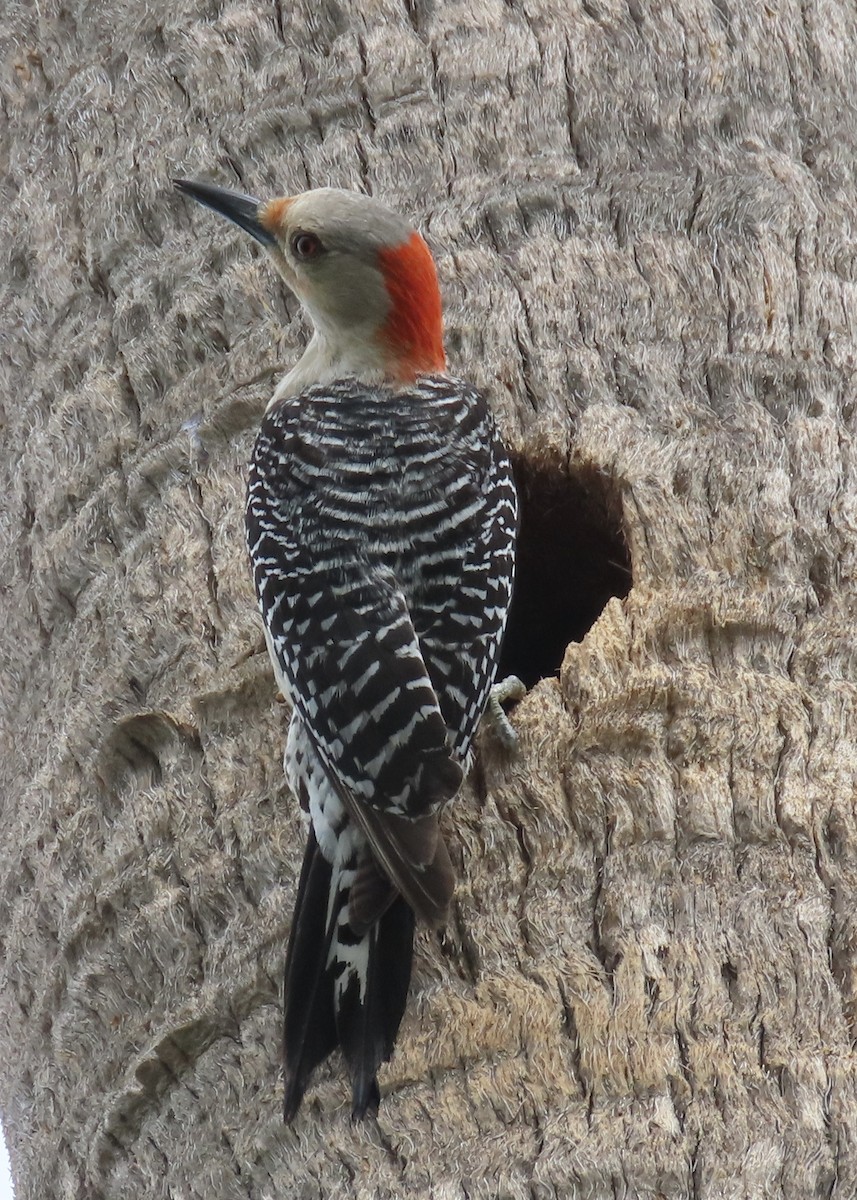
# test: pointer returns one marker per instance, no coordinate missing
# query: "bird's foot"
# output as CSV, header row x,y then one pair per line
x,y
495,718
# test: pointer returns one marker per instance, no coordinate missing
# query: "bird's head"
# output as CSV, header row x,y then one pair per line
x,y
362,272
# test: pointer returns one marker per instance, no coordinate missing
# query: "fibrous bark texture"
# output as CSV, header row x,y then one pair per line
x,y
645,220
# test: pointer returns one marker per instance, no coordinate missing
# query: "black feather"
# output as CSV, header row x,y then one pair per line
x,y
367,1026
309,1024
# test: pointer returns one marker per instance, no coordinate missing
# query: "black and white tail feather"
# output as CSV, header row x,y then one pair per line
x,y
342,988
381,525
348,965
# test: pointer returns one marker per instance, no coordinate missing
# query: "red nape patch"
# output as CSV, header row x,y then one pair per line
x,y
413,331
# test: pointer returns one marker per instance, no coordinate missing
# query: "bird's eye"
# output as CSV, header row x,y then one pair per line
x,y
306,245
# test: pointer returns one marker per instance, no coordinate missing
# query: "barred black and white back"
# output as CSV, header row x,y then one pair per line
x,y
380,524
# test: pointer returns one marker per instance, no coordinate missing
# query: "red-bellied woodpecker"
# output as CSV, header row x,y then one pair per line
x,y
381,517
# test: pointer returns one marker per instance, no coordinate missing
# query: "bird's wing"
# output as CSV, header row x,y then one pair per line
x,y
345,643
461,615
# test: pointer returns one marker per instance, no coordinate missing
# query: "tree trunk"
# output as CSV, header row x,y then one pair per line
x,y
645,220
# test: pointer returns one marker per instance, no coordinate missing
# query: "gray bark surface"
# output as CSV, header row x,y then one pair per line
x,y
645,220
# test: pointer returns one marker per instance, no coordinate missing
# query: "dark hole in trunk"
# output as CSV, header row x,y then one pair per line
x,y
572,557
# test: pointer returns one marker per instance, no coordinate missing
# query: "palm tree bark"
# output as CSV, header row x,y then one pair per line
x,y
644,216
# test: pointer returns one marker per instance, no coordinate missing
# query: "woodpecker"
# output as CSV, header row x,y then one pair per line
x,y
381,519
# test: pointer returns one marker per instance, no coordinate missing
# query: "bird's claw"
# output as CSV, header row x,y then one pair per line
x,y
495,718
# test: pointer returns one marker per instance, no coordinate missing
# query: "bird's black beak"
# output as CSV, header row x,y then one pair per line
x,y
243,210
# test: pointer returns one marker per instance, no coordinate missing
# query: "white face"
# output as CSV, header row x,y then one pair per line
x,y
327,245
